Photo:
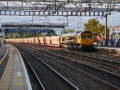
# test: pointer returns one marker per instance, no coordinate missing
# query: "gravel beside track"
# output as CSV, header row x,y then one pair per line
x,y
49,79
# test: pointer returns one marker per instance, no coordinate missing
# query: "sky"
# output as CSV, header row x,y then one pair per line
x,y
74,22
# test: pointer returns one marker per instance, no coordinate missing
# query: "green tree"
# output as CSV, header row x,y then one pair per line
x,y
25,35
94,26
68,31
52,32
40,35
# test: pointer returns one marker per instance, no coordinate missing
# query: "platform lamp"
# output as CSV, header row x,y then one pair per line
x,y
106,28
66,22
113,36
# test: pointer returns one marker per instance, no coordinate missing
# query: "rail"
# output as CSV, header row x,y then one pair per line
x,y
72,86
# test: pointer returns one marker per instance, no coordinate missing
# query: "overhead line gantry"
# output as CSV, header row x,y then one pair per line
x,y
58,7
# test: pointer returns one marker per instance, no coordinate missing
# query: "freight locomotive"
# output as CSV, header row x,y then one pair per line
x,y
84,41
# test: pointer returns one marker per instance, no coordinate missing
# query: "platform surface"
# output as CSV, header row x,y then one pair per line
x,y
3,50
3,58
110,47
115,50
15,76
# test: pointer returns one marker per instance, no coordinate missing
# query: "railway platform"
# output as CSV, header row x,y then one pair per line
x,y
14,76
109,50
3,58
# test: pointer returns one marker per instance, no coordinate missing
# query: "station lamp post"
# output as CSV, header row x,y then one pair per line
x,y
106,29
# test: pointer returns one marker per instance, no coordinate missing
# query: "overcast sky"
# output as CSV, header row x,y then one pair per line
x,y
73,22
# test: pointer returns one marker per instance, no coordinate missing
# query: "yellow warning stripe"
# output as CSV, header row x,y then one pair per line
x,y
4,56
18,81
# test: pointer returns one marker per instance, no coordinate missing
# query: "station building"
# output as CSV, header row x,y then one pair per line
x,y
114,31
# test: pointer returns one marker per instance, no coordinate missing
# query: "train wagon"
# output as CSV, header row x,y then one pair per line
x,y
47,41
41,40
55,41
36,40
31,41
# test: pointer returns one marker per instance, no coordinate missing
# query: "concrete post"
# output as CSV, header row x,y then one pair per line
x,y
106,31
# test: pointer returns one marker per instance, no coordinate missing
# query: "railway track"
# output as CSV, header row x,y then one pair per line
x,y
108,65
106,77
48,78
98,54
35,82
93,58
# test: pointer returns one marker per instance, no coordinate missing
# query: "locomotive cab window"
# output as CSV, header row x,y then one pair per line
x,y
89,36
83,37
63,39
71,38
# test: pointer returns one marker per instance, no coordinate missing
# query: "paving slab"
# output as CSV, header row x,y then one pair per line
x,y
109,50
15,76
3,58
3,50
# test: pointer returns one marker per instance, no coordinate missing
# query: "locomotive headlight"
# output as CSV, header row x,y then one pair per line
x,y
95,43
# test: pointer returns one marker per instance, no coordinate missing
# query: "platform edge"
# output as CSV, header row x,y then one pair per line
x,y
25,71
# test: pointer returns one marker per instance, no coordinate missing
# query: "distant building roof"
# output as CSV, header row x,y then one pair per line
x,y
114,29
50,25
13,30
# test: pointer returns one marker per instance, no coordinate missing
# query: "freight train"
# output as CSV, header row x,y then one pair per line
x,y
83,41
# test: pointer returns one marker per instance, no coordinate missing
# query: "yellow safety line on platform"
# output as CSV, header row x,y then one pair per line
x,y
4,56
